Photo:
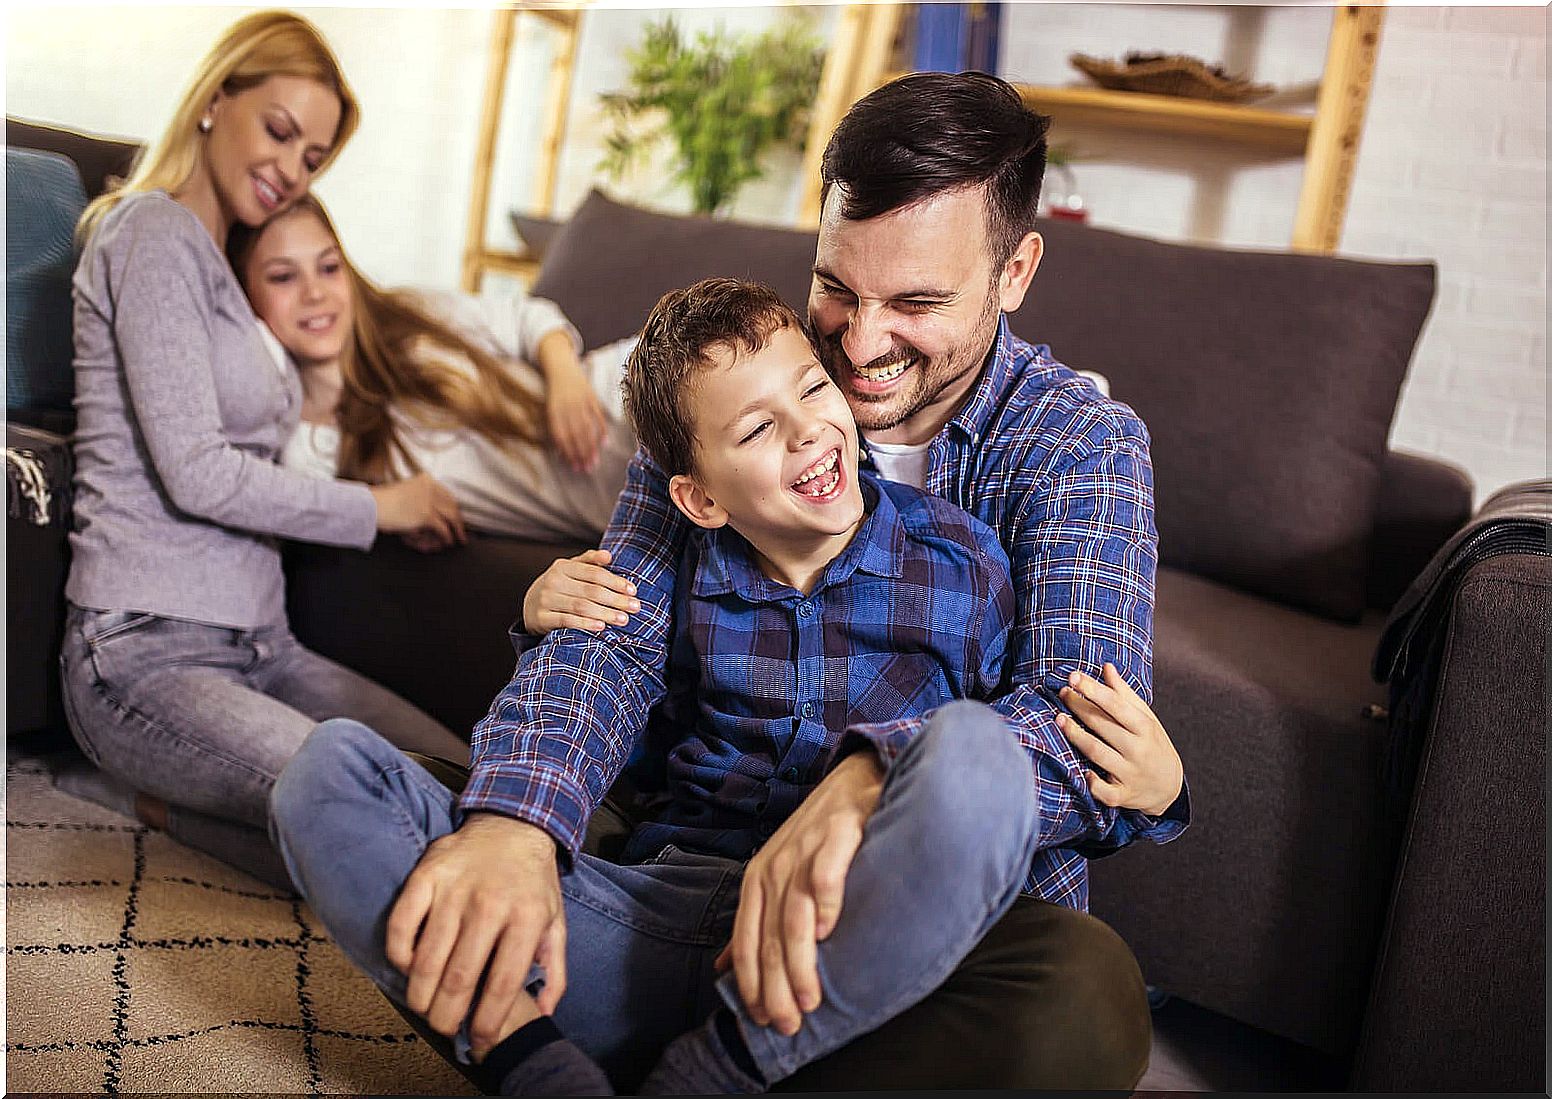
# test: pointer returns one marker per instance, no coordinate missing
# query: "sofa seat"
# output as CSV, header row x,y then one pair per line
x,y
1291,846
433,626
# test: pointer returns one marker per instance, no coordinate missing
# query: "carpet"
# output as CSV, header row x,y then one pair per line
x,y
134,964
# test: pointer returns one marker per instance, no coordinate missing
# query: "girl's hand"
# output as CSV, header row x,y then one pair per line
x,y
1120,733
575,419
423,510
580,592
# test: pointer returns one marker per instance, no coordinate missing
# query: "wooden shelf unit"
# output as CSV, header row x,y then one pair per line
x,y
1327,140
1277,131
478,257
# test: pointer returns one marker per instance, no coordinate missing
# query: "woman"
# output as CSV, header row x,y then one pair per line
x,y
489,397
181,679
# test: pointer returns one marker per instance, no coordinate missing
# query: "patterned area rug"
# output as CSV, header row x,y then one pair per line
x,y
134,964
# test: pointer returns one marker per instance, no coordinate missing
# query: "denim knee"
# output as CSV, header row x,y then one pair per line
x,y
339,757
971,779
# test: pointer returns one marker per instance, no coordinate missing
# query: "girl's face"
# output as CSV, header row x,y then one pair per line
x,y
297,281
266,143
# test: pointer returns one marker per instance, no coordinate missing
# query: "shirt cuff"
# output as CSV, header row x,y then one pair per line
x,y
1170,823
522,640
543,796
885,739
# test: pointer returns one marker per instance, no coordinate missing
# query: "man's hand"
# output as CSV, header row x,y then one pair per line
x,y
792,892
1120,733
487,893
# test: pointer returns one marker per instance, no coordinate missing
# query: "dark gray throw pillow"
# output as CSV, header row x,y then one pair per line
x,y
1268,382
610,263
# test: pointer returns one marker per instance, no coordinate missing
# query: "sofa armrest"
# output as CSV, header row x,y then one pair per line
x,y
1458,997
1423,501
37,557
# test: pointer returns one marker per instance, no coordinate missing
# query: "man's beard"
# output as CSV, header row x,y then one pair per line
x,y
929,377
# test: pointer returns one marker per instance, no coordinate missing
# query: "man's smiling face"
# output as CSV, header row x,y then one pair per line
x,y
906,307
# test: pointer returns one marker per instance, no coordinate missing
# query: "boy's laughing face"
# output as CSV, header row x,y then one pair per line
x,y
775,453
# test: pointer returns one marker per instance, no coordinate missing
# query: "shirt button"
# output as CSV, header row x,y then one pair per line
x,y
790,774
805,610
807,709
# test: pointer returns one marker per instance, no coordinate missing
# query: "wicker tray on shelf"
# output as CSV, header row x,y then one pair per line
x,y
1169,74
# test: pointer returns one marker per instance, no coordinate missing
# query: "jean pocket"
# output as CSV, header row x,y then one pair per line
x,y
98,627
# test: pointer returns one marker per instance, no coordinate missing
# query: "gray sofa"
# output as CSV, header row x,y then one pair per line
x,y
1306,899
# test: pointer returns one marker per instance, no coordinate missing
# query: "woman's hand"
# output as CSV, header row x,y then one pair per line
x,y
580,592
422,510
1120,733
572,413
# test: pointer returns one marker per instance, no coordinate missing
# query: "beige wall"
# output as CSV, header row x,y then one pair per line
x,y
1453,166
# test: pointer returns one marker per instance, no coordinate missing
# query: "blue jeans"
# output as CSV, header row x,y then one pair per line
x,y
941,859
205,717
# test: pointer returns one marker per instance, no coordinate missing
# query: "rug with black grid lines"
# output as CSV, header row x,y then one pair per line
x,y
134,964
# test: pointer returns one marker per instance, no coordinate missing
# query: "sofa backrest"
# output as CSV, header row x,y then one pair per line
x,y
1268,381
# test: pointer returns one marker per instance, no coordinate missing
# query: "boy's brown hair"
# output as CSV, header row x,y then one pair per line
x,y
682,332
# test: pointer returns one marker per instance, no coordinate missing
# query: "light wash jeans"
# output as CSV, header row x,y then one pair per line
x,y
941,860
205,717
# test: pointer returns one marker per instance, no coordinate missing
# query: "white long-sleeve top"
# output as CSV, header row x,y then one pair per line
x,y
519,489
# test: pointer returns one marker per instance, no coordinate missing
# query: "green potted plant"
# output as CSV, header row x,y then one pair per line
x,y
723,99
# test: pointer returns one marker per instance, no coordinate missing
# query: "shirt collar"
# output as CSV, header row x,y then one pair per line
x,y
727,562
976,414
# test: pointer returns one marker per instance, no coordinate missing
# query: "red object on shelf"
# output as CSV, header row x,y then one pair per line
x,y
1068,213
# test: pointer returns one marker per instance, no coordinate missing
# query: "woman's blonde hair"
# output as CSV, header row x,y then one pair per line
x,y
255,48
392,364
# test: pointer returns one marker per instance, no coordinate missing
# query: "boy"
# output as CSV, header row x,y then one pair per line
x,y
815,609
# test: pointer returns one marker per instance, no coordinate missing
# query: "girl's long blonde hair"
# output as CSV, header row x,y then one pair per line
x,y
255,48
391,365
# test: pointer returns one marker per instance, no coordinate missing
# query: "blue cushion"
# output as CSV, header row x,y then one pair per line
x,y
43,201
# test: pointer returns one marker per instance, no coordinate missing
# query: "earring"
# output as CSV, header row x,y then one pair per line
x,y
205,124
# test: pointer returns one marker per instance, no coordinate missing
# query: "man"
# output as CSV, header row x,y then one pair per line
x,y
926,239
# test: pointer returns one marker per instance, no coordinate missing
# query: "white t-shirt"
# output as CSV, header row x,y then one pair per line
x,y
519,489
899,462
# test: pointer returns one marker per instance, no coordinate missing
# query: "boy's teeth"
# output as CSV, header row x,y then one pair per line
x,y
823,467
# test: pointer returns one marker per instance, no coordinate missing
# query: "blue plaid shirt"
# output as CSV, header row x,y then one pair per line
x,y
1059,473
764,680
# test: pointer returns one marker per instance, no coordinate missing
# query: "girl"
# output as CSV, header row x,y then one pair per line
x,y
403,382
181,679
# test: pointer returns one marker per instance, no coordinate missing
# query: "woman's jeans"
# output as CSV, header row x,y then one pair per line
x,y
205,717
941,859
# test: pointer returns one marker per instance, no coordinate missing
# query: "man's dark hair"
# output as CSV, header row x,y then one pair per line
x,y
683,331
928,133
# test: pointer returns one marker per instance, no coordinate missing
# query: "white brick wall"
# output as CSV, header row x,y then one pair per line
x,y
1452,169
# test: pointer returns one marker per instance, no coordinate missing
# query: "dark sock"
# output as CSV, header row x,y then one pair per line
x,y
536,1059
726,1025
704,1062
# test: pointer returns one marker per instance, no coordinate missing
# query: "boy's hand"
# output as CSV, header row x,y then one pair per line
x,y
792,894
487,894
580,592
1120,733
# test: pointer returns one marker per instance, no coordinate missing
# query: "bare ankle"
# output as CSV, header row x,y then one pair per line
x,y
151,811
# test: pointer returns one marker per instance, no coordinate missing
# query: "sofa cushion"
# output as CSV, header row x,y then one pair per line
x,y
1268,382
43,201
98,160
1269,910
609,265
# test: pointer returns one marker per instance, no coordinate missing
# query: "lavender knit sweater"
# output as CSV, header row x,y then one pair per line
x,y
180,414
